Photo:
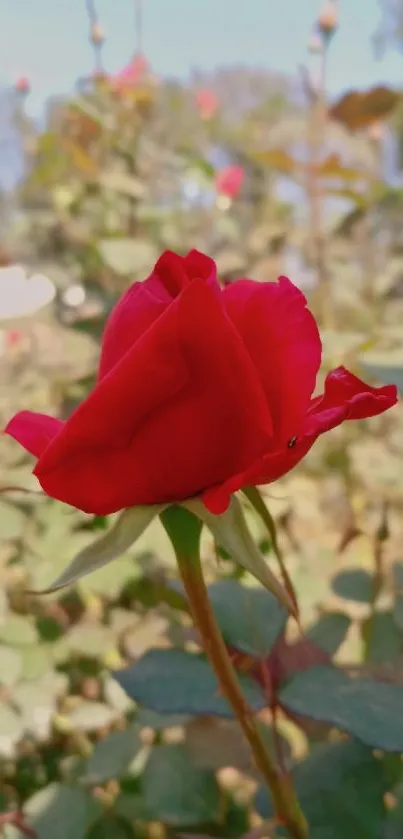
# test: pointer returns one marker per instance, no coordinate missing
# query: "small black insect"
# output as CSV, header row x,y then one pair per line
x,y
292,441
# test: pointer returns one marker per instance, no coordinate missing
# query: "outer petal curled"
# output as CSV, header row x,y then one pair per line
x,y
346,397
33,431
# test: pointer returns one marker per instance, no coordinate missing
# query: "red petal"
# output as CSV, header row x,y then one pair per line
x,y
347,397
145,301
181,411
33,431
283,342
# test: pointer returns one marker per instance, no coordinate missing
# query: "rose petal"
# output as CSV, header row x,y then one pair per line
x,y
283,342
33,431
346,397
145,301
181,411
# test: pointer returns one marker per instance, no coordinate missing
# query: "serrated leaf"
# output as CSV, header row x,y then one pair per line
x,y
368,709
177,682
112,756
250,619
176,792
231,531
126,529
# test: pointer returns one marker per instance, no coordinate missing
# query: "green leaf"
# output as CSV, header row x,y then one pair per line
x,y
329,631
177,682
353,584
398,585
10,666
368,709
90,716
128,256
112,756
18,631
250,619
111,826
90,639
232,533
11,730
176,792
341,788
382,638
61,812
35,662
12,521
126,529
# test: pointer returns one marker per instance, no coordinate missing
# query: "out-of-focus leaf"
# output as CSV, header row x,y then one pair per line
x,y
368,709
359,109
90,639
10,665
276,159
111,756
177,682
61,812
353,584
250,619
329,631
382,639
12,521
176,792
90,716
127,257
341,787
111,825
18,630
11,730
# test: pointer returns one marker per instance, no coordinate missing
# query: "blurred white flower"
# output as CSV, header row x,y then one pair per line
x,y
22,296
74,295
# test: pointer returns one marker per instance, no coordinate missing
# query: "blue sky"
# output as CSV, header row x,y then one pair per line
x,y
47,40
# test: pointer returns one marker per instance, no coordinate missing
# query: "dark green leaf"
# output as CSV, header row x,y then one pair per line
x,y
341,788
353,584
177,682
329,631
382,638
250,619
61,812
111,756
176,792
368,709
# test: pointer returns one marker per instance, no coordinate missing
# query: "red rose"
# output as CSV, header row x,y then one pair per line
x,y
200,392
229,181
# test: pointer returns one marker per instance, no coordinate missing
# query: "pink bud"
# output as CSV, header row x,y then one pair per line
x,y
207,103
22,84
315,44
327,20
229,181
133,73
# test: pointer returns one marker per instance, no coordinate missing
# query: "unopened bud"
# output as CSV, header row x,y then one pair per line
x,y
327,20
97,34
22,85
315,43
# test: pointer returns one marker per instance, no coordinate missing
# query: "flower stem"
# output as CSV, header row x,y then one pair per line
x,y
287,806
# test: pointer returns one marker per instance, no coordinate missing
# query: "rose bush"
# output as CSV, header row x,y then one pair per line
x,y
200,391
